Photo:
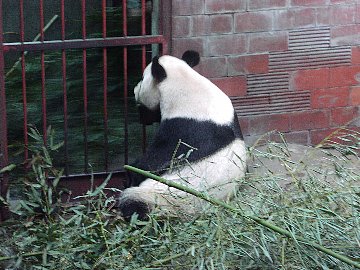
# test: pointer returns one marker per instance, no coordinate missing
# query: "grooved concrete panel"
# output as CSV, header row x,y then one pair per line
x,y
309,58
309,38
272,103
267,83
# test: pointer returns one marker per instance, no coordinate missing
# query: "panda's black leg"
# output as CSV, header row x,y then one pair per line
x,y
129,207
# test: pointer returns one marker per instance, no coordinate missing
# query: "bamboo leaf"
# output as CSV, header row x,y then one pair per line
x,y
8,168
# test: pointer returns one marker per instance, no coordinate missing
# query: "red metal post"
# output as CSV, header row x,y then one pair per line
x,y
4,181
165,25
105,77
125,52
23,78
143,62
63,68
42,63
85,95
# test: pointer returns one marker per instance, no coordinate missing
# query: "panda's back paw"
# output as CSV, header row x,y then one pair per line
x,y
130,207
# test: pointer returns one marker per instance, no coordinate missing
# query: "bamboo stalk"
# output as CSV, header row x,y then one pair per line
x,y
22,255
263,222
37,37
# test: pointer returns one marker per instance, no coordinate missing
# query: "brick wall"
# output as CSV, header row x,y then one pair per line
x,y
288,65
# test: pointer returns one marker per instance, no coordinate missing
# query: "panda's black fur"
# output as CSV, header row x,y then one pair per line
x,y
207,137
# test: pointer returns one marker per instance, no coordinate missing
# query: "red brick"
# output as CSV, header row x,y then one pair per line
x,y
354,98
336,15
342,1
226,44
299,137
200,25
266,4
327,137
265,123
212,67
253,21
295,18
221,23
268,42
345,35
248,64
257,63
181,26
323,16
309,79
309,120
232,86
308,2
343,116
355,55
344,76
187,7
340,14
330,97
322,136
357,17
216,6
180,45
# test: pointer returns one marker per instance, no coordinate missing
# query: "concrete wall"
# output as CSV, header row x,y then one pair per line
x,y
289,65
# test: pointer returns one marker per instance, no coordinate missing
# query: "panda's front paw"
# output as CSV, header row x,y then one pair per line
x,y
130,206
148,117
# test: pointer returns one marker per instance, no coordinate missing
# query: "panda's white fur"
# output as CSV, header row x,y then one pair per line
x,y
196,109
182,94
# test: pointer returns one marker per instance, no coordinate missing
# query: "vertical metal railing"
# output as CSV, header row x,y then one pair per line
x,y
23,77
43,46
85,94
64,87
143,61
105,88
43,75
3,124
125,89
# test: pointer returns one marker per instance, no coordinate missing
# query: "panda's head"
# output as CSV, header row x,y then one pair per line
x,y
171,85
147,91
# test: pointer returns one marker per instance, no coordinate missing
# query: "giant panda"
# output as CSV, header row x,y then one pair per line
x,y
198,143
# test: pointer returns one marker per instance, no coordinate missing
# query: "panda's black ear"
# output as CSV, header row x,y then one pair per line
x,y
157,71
192,58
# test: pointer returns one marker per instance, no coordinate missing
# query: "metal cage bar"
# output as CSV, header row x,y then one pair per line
x,y
143,62
85,94
125,78
43,78
23,79
48,45
64,88
105,87
4,181
43,45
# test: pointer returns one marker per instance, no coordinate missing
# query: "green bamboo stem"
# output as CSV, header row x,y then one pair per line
x,y
46,27
22,255
263,222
